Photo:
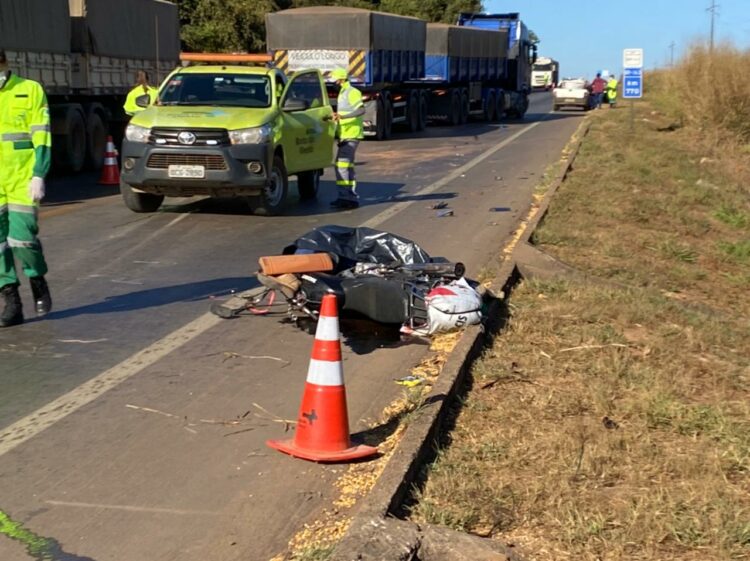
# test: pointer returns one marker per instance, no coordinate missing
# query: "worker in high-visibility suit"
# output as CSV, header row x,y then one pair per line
x,y
142,87
350,108
612,91
25,157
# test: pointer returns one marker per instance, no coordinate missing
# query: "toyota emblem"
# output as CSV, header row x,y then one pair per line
x,y
186,137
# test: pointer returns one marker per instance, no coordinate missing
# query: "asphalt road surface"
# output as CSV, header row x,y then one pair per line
x,y
111,445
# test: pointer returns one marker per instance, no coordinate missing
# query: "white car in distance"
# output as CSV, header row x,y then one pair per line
x,y
571,93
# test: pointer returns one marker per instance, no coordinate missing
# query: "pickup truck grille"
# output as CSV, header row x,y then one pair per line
x,y
211,162
203,137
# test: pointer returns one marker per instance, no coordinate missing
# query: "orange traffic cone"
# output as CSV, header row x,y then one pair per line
x,y
322,433
110,171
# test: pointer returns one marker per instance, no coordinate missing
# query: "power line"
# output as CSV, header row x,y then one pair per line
x,y
713,8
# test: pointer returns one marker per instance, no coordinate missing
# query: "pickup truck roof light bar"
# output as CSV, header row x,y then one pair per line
x,y
225,57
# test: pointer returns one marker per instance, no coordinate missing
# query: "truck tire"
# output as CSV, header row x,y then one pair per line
x,y
72,144
454,115
490,108
272,200
379,119
555,108
500,106
139,202
96,141
423,103
388,124
308,183
464,107
413,117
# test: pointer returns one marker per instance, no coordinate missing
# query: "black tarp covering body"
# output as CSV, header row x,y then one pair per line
x,y
349,246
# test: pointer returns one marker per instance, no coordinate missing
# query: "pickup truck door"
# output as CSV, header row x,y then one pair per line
x,y
308,131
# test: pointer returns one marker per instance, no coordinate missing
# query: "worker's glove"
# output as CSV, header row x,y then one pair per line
x,y
36,189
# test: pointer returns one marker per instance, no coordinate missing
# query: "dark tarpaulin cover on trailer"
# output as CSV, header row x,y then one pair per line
x,y
349,246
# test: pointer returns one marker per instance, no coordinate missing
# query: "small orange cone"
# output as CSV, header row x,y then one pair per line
x,y
110,171
322,433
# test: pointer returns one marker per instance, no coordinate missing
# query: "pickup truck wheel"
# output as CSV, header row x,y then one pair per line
x,y
140,202
307,184
272,199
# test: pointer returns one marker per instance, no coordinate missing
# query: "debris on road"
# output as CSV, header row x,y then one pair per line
x,y
438,206
444,213
410,381
500,209
82,341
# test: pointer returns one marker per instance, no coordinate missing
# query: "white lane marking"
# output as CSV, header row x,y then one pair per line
x,y
397,207
43,418
129,508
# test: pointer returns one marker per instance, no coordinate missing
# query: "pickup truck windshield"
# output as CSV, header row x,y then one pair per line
x,y
225,90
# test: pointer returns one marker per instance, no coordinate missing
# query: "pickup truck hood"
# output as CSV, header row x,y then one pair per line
x,y
230,118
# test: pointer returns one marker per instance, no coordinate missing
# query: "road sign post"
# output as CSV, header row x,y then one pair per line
x,y
632,87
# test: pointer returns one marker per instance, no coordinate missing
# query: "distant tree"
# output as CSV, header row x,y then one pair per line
x,y
239,25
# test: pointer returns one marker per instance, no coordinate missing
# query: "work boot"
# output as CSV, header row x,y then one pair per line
x,y
345,204
12,311
42,298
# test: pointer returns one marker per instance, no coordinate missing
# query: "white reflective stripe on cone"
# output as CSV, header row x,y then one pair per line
x,y
110,161
325,373
328,329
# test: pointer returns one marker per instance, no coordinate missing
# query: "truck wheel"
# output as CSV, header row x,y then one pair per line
x,y
139,202
272,200
380,118
422,111
464,107
555,108
490,108
308,183
73,146
414,112
454,118
96,141
388,124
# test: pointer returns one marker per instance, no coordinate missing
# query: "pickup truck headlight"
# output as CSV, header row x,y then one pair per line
x,y
134,133
255,135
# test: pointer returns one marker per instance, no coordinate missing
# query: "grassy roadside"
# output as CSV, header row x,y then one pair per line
x,y
611,420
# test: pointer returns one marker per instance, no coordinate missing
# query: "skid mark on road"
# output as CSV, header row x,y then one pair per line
x,y
130,508
43,418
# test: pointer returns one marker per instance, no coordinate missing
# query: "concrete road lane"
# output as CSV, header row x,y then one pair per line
x,y
112,441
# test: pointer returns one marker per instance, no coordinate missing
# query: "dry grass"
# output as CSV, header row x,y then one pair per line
x,y
611,420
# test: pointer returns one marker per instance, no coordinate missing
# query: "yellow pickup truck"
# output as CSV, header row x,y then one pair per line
x,y
229,131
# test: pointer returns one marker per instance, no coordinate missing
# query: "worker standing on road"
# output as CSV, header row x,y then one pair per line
x,y
25,157
142,87
349,111
612,91
597,89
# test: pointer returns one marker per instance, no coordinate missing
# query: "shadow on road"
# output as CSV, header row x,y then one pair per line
x,y
155,297
67,189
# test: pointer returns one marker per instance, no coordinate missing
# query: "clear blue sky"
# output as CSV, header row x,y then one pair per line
x,y
591,39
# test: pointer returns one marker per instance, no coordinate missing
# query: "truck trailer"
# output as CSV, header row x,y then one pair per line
x,y
409,71
86,54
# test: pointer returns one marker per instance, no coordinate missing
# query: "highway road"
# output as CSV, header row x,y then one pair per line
x,y
105,448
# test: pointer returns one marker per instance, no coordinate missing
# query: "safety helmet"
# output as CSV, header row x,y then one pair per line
x,y
339,74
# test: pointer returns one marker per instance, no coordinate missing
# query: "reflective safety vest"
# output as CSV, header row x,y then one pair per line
x,y
349,101
612,89
131,107
25,136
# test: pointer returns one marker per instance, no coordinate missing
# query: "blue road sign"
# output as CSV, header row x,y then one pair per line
x,y
632,87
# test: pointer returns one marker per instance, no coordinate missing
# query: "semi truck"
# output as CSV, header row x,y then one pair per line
x,y
545,73
86,54
411,72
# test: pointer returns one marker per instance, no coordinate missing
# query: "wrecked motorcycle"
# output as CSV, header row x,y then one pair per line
x,y
375,274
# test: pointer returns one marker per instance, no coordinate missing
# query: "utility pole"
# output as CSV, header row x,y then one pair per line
x,y
713,8
671,54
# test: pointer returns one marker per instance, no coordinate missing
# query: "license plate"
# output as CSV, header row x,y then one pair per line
x,y
187,172
570,100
